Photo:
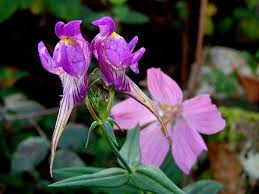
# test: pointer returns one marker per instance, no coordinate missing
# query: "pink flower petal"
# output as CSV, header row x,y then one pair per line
x,y
187,145
153,144
202,115
130,113
163,89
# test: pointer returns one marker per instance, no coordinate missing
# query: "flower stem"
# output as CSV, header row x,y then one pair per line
x,y
118,155
90,109
111,98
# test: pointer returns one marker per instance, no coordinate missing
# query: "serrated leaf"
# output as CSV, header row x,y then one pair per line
x,y
73,137
203,187
130,151
112,177
29,153
65,158
152,179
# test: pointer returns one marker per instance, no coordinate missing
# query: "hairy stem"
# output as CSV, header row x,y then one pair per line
x,y
90,109
111,98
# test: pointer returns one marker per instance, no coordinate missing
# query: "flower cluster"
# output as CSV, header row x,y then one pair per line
x,y
70,61
184,120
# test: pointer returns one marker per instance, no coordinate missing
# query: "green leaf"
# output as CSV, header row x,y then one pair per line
x,y
112,177
152,179
92,127
130,151
19,104
25,4
64,173
29,153
65,158
117,2
171,170
125,189
7,8
128,16
203,187
88,16
108,130
67,9
73,137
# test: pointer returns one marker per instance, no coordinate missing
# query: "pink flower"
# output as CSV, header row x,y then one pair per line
x,y
184,120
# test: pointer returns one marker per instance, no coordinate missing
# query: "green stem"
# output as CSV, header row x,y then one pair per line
x,y
118,155
111,98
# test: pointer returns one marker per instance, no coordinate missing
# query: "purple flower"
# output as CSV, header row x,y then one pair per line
x,y
70,61
115,54
184,120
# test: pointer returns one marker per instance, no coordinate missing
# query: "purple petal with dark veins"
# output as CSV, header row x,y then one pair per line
x,y
72,59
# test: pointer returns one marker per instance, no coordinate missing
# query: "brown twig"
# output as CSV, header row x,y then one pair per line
x,y
185,48
193,82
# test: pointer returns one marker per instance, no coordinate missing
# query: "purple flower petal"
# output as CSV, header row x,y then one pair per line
x,y
130,113
153,145
163,89
47,61
71,30
106,25
187,145
202,115
72,59
116,50
133,43
135,58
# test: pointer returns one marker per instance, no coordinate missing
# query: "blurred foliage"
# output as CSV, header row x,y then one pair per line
x,y
73,9
241,125
252,61
222,83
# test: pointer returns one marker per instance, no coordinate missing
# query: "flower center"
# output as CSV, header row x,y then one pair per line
x,y
68,40
170,112
115,35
